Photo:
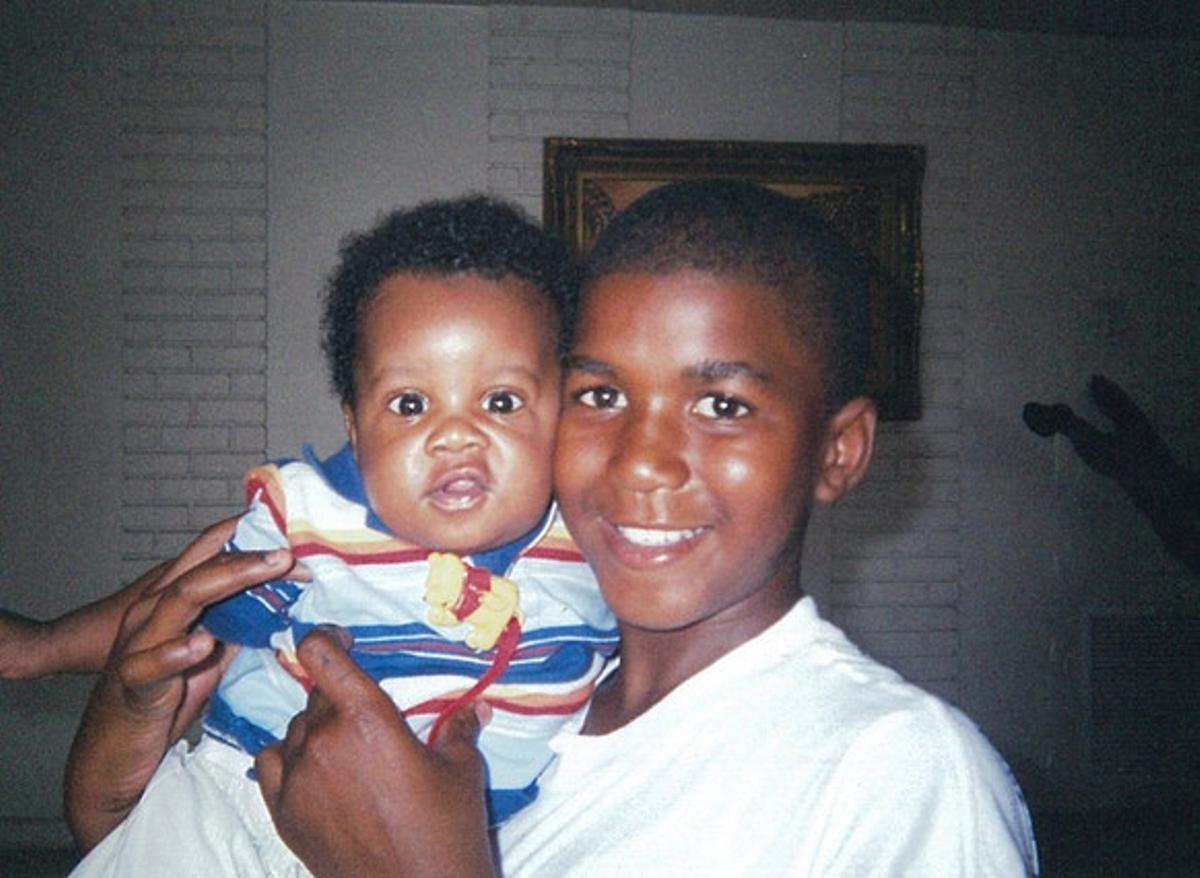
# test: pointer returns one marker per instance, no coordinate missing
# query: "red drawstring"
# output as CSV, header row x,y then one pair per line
x,y
506,647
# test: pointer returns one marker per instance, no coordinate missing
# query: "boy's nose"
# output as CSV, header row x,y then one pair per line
x,y
649,455
455,433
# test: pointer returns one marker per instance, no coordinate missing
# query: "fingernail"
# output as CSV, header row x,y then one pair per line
x,y
483,712
200,643
275,556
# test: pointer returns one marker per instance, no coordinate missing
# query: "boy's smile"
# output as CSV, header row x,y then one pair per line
x,y
456,401
690,448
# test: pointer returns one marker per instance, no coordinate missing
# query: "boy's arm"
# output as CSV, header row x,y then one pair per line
x,y
160,673
75,642
249,618
80,641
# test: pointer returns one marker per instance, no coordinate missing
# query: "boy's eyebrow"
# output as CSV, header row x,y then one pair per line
x,y
580,363
717,370
708,370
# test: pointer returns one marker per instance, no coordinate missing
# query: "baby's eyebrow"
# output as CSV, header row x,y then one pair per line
x,y
589,365
717,370
388,374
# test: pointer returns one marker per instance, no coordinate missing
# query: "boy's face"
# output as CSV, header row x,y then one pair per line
x,y
457,394
691,443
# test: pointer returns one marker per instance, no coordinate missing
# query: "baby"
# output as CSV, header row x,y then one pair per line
x,y
431,536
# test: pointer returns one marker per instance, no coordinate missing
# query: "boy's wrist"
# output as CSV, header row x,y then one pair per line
x,y
115,753
26,647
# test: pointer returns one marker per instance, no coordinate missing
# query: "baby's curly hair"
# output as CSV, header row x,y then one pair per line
x,y
473,234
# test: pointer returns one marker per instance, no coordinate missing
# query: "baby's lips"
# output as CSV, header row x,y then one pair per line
x,y
461,486
463,482
459,490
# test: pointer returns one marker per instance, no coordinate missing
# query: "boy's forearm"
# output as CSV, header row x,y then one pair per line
x,y
161,672
76,642
84,637
112,758
141,706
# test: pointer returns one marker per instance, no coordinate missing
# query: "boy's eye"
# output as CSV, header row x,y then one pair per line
x,y
408,404
502,402
720,407
601,398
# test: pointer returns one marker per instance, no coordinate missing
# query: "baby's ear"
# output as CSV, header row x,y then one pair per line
x,y
846,450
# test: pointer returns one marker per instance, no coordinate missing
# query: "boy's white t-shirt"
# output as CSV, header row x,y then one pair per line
x,y
794,754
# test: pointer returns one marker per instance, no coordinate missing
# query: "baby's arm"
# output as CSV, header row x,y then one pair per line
x,y
76,642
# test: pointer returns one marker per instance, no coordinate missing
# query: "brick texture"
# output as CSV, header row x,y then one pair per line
x,y
193,274
551,71
896,542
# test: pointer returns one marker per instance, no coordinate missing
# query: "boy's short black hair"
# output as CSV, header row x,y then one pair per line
x,y
754,234
473,234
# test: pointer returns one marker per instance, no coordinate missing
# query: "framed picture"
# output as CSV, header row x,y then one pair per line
x,y
871,193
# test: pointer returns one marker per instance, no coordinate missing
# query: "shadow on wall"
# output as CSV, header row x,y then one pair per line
x,y
1137,459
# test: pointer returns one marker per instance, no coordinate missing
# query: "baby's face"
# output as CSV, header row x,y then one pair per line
x,y
457,387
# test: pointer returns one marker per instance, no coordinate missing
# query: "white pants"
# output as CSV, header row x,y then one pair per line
x,y
199,816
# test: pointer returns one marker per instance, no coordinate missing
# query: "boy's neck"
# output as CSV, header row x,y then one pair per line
x,y
654,663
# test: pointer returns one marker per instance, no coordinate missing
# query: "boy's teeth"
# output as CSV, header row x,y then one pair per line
x,y
655,537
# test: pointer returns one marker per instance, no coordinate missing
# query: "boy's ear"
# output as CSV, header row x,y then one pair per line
x,y
846,452
348,418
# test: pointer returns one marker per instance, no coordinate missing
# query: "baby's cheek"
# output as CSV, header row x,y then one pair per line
x,y
533,475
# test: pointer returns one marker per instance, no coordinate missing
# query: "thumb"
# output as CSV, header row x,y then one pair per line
x,y
457,740
323,653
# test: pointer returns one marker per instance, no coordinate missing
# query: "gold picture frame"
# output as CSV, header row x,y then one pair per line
x,y
871,193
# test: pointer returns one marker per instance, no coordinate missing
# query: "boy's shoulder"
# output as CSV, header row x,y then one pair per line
x,y
806,678
557,585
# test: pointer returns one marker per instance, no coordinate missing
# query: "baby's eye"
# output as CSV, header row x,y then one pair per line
x,y
601,398
408,404
720,407
502,402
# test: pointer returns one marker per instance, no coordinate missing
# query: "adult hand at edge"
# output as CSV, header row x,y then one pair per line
x,y
352,790
158,676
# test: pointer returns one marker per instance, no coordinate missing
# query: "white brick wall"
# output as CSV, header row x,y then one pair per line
x,y
896,544
192,112
552,71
